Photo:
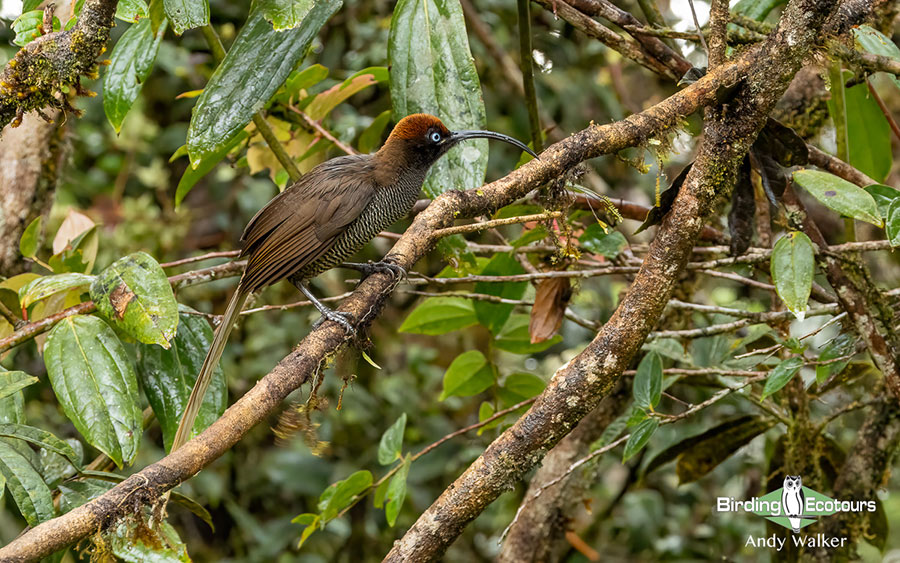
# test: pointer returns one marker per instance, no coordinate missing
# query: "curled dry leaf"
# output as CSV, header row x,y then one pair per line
x,y
550,303
72,226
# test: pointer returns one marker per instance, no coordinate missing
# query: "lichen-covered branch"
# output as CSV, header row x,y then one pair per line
x,y
35,78
146,486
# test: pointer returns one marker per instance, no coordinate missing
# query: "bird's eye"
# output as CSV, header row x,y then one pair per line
x,y
435,137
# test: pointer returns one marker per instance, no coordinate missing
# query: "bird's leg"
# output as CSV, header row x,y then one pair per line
x,y
340,317
387,265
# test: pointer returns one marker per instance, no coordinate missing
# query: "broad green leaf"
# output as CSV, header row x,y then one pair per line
x,y
56,467
129,66
841,346
892,223
432,71
311,521
94,381
396,493
756,9
134,293
339,495
45,286
440,315
29,5
28,244
12,406
529,236
781,375
515,337
639,438
76,493
468,374
390,447
648,381
868,133
258,63
131,10
792,266
493,316
873,41
839,195
370,140
193,175
597,241
303,79
158,545
42,439
12,382
78,254
186,14
26,486
518,387
285,14
168,376
26,27
883,196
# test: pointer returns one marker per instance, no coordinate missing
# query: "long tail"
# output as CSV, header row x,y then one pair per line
x,y
209,365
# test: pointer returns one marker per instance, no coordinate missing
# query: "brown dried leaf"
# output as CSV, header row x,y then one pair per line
x,y
550,303
72,226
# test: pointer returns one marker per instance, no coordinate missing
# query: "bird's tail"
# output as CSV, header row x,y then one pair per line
x,y
183,434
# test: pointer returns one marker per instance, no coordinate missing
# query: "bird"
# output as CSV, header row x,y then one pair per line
x,y
330,213
793,500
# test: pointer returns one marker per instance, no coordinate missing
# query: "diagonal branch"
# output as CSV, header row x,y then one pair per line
x,y
146,486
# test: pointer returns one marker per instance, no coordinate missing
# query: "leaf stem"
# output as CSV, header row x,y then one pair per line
x,y
218,53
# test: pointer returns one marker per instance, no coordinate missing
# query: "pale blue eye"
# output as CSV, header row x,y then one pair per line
x,y
435,137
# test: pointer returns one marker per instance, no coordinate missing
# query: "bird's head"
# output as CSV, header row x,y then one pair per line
x,y
424,139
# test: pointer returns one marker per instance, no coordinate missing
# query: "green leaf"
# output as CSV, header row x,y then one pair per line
x,y
756,9
78,254
780,375
45,286
12,406
883,196
792,266
396,492
518,387
159,545
468,374
597,241
168,376
26,27
186,14
639,437
131,10
28,244
93,379
515,337
311,521
258,63
868,133
370,140
135,295
14,381
839,195
42,439
29,5
129,66
323,103
390,447
432,71
840,346
892,223
339,495
493,316
55,467
193,175
648,381
873,41
440,315
26,486
285,14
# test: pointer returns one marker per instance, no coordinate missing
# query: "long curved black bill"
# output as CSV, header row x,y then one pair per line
x,y
463,135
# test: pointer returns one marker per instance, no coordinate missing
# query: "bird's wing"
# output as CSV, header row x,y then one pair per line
x,y
303,222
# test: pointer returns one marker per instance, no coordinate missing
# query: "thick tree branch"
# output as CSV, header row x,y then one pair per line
x,y
149,484
34,78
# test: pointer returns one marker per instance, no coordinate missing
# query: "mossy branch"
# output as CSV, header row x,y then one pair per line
x,y
47,71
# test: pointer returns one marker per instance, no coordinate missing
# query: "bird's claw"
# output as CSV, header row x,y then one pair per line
x,y
342,318
396,271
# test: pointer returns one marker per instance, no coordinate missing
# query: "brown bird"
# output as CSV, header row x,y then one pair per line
x,y
328,215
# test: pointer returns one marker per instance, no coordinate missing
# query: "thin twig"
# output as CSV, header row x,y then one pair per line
x,y
699,30
474,227
320,129
202,257
884,109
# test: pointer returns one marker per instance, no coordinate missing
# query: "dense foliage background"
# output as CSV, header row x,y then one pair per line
x,y
435,366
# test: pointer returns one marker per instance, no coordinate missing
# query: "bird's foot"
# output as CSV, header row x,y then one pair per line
x,y
342,318
384,266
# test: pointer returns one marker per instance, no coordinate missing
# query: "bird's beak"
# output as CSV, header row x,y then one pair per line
x,y
458,136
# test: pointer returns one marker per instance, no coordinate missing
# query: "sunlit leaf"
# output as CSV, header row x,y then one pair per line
x,y
440,315
28,245
285,14
839,195
45,286
339,495
781,375
793,266
12,382
468,374
186,14
390,446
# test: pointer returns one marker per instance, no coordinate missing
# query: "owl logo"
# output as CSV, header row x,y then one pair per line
x,y
793,500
